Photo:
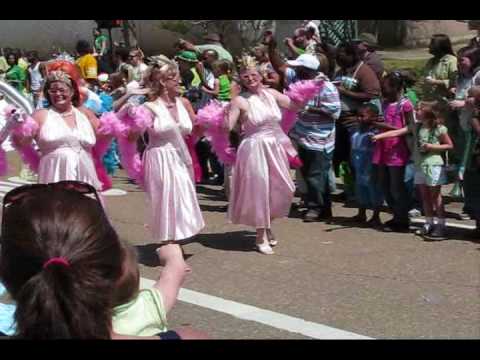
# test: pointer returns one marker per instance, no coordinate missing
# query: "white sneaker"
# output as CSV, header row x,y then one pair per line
x,y
414,213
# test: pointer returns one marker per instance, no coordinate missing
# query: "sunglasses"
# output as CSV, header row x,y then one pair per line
x,y
29,190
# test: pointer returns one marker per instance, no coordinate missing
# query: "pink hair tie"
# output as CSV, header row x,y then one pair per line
x,y
56,260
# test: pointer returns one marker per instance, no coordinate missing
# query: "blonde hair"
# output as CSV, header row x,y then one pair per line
x,y
165,67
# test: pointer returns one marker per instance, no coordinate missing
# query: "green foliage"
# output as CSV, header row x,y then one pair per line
x,y
178,26
416,65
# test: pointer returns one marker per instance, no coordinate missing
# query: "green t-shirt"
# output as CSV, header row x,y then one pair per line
x,y
17,76
144,316
98,43
429,136
411,94
224,91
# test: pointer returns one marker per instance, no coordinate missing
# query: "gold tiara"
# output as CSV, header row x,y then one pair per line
x,y
247,62
58,75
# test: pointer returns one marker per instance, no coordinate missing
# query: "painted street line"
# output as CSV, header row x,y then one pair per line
x,y
266,317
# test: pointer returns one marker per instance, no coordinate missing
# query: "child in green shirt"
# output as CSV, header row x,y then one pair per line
x,y
144,312
222,70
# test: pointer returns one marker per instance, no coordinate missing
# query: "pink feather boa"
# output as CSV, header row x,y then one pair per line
x,y
191,140
3,162
108,127
136,119
27,129
300,92
212,118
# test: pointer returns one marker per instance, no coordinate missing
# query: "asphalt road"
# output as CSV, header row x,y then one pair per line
x,y
325,281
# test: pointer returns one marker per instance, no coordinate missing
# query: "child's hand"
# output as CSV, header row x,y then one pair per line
x,y
426,147
374,138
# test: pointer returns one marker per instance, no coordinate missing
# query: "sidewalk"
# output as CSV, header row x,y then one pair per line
x,y
412,54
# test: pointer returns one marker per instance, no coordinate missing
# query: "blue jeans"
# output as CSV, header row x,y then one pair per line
x,y
316,169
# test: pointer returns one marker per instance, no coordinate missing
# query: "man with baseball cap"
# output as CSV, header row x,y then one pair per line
x,y
366,44
314,131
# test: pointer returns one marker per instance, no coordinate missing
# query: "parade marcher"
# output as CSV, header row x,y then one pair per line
x,y
174,213
65,134
261,165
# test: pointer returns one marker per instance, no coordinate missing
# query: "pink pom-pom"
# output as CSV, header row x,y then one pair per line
x,y
30,156
303,91
3,162
131,161
295,162
212,118
9,111
109,124
136,119
197,169
99,167
27,128
288,120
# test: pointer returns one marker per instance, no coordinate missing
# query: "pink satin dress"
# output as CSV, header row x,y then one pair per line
x,y
66,152
169,184
262,188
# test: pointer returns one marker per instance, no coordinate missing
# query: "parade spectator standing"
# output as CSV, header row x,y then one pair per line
x,y
15,75
368,194
391,155
297,44
190,79
472,166
35,75
138,66
314,131
270,76
121,59
441,70
86,62
366,45
212,42
357,83
101,50
475,41
468,76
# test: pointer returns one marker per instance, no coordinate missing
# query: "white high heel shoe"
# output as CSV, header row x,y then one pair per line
x,y
265,249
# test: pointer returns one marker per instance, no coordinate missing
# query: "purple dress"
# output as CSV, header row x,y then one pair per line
x,y
262,188
174,210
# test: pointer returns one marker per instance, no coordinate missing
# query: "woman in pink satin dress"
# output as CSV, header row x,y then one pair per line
x,y
168,171
66,134
262,188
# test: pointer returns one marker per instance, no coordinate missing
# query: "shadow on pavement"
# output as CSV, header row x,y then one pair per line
x,y
211,194
214,208
231,241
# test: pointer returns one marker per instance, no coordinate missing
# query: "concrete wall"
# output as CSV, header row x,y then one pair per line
x,y
414,34
43,35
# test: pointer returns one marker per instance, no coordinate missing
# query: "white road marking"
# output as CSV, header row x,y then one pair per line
x,y
266,317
